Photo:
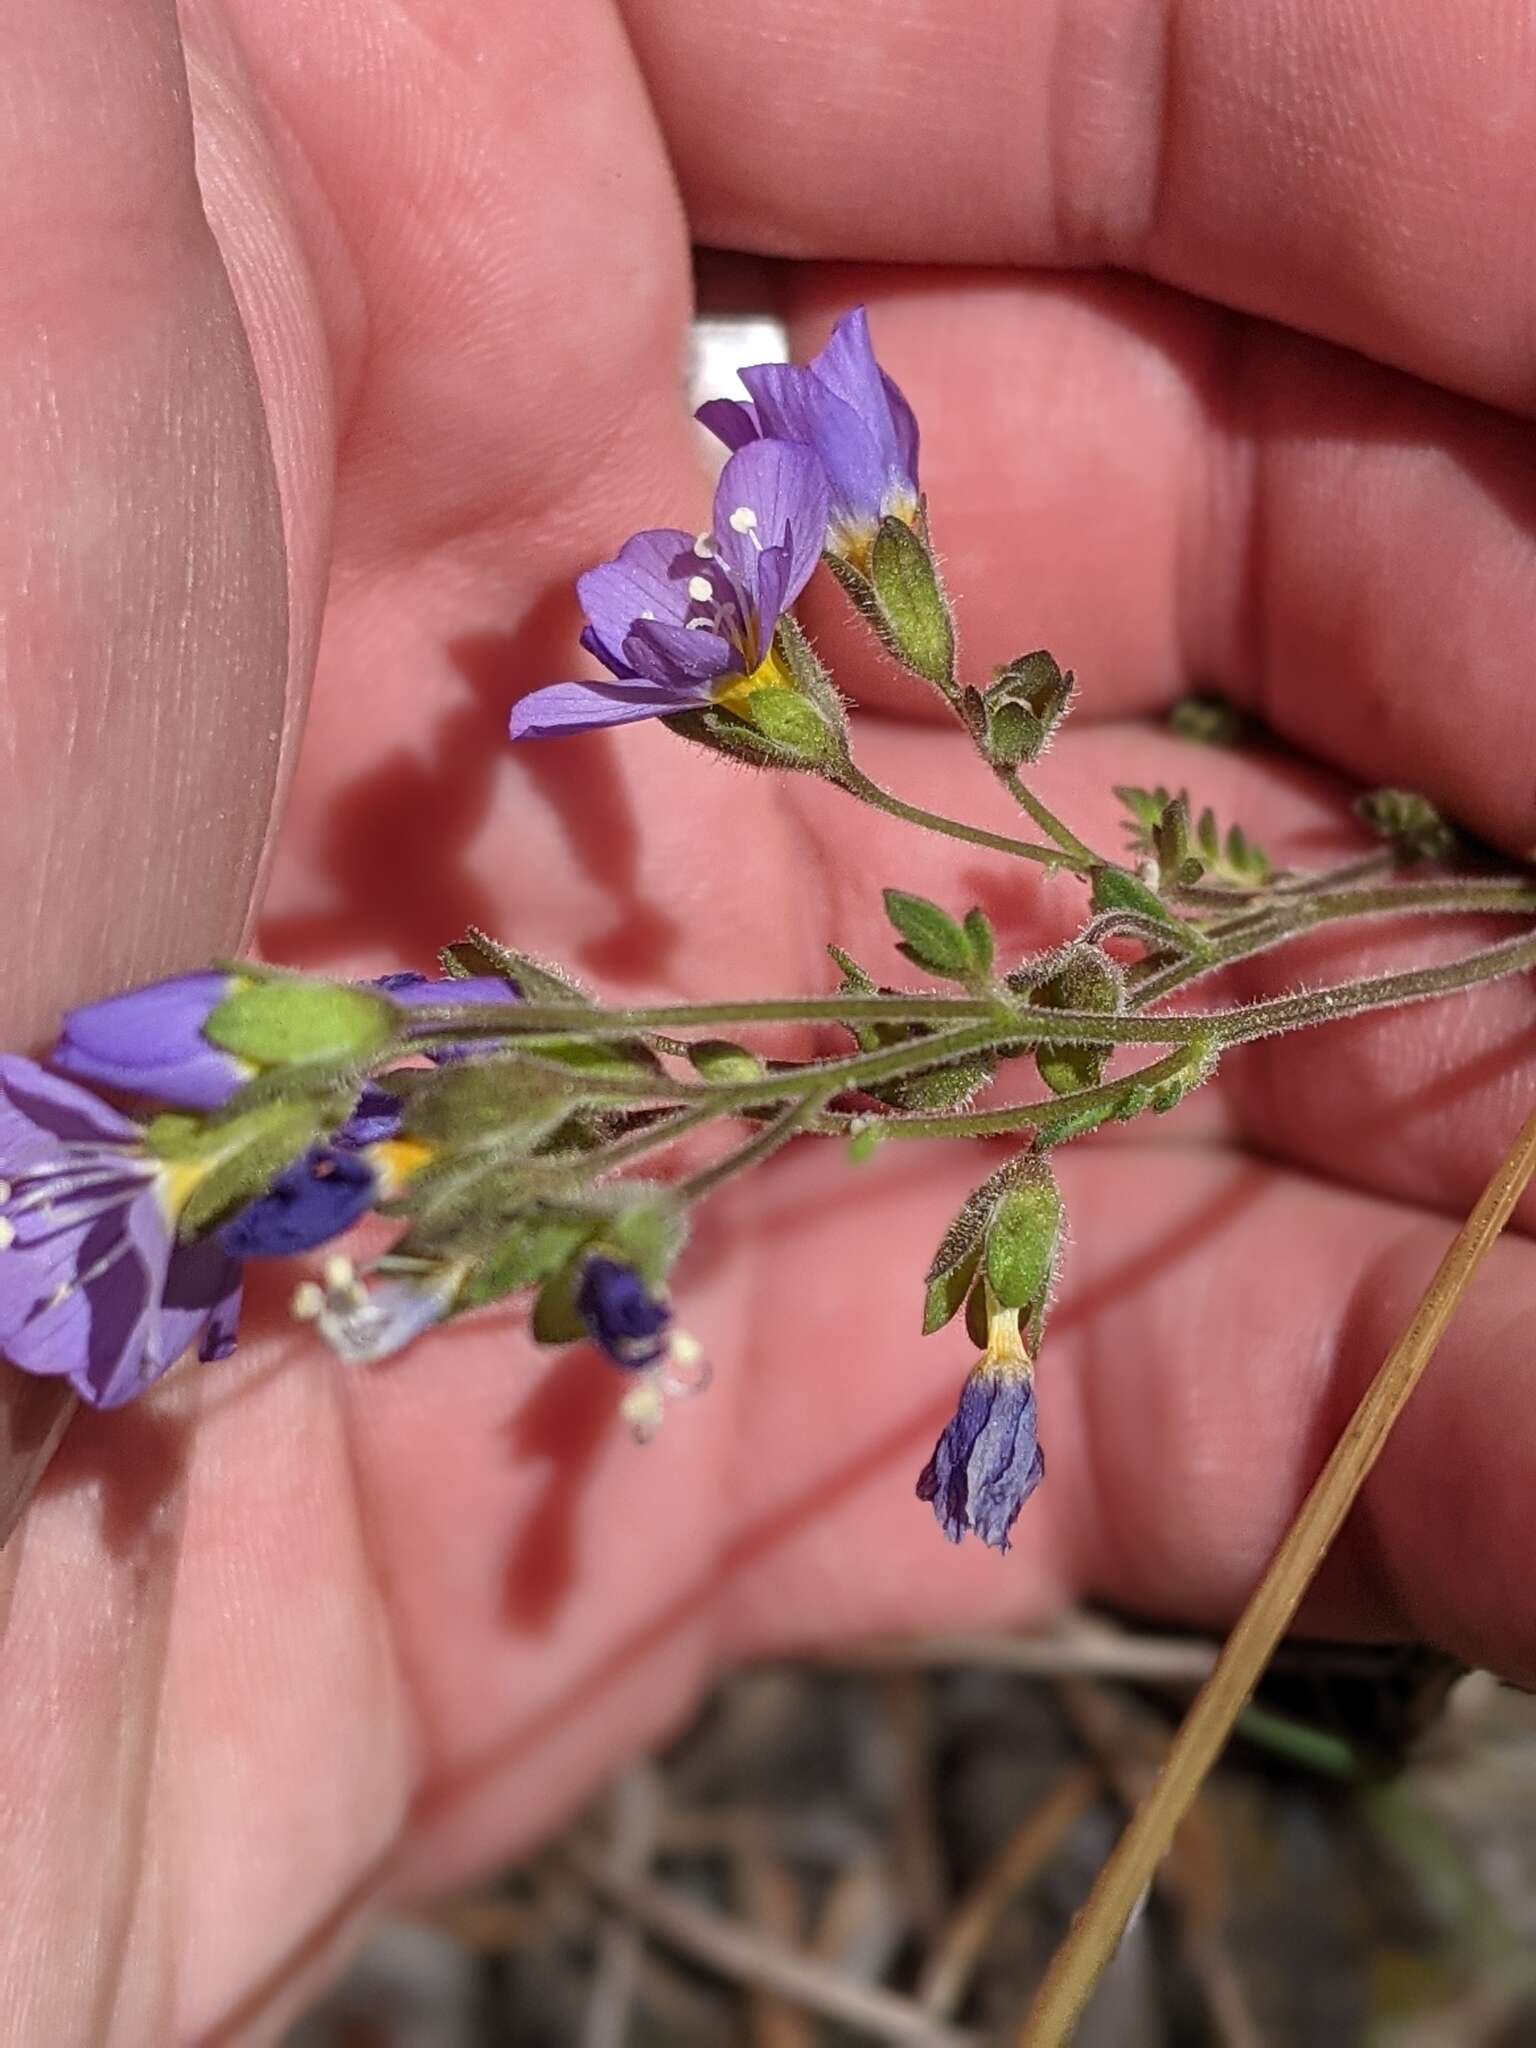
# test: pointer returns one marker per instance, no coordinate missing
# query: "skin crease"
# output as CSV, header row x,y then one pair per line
x,y
283,1641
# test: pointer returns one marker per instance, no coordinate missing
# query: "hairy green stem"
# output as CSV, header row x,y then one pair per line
x,y
858,784
1244,938
1082,855
795,1116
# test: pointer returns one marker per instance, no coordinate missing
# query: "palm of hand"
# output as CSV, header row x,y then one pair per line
x,y
362,1632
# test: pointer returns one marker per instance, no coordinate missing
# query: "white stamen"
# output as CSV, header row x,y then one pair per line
x,y
641,1409
5,1191
341,1277
704,547
308,1303
7,1233
743,519
700,589
647,615
699,626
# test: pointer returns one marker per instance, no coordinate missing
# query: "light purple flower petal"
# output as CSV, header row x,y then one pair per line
x,y
729,420
150,1041
781,484
36,1108
681,659
904,427
424,991
773,572
641,581
586,707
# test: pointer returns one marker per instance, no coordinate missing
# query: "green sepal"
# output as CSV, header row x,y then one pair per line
x,y
1022,707
721,1059
794,726
536,1245
1022,1240
648,1228
946,1291
958,1259
245,1154
867,1037
913,612
978,1314
477,954
284,1021
504,1101
1085,978
722,732
554,1319
607,1058
944,1087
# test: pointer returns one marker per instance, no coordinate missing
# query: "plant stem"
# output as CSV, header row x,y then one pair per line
x,y
1082,855
858,784
1022,1116
795,1116
1088,1947
1259,932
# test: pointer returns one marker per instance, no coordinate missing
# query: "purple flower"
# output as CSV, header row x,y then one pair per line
x,y
150,1041
309,1203
683,621
624,1319
848,410
987,1462
632,1326
94,1287
364,1323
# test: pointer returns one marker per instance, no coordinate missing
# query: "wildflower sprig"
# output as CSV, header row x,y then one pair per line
x,y
526,1140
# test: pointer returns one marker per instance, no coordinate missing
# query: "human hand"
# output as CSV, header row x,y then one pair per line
x,y
283,1639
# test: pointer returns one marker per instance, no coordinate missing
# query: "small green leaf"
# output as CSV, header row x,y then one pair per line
x,y
1117,889
532,1248
932,939
866,1141
983,942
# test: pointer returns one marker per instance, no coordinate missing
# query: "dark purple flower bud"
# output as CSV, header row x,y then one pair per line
x,y
684,621
150,1041
624,1319
314,1200
987,1462
94,1287
844,407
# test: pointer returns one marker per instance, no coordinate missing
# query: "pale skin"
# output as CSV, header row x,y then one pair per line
x,y
286,1641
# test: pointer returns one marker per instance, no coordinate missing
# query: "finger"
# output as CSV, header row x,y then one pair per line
x,y
1161,495
144,649
1357,172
